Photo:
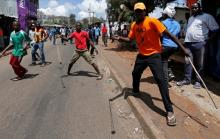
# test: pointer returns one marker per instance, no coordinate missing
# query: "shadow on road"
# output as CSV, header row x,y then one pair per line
x,y
30,76
149,79
81,73
26,76
147,99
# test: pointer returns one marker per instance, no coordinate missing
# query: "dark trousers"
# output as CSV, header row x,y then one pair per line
x,y
166,53
97,39
155,63
197,50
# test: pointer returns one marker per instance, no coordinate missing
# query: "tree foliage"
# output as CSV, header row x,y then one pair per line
x,y
115,13
72,19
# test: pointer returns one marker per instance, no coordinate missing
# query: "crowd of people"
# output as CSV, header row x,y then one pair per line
x,y
20,41
155,39
158,40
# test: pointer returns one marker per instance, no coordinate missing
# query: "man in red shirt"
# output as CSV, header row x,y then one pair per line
x,y
81,49
104,35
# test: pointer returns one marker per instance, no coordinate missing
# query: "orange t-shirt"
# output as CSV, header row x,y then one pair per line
x,y
39,35
147,35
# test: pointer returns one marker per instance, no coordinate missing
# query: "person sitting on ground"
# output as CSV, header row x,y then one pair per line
x,y
81,49
147,32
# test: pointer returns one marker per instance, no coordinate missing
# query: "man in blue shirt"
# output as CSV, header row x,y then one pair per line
x,y
169,47
97,34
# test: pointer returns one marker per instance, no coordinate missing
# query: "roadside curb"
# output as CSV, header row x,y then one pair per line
x,y
142,115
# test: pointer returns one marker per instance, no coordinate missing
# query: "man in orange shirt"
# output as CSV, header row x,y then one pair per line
x,y
40,37
147,33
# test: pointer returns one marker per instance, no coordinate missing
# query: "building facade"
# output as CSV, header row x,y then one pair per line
x,y
25,11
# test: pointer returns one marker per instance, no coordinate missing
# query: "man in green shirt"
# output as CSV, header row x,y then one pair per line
x,y
17,41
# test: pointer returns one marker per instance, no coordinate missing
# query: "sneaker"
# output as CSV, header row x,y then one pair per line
x,y
100,76
171,119
197,85
171,76
183,82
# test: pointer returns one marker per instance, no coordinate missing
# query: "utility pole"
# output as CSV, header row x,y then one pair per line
x,y
90,12
93,17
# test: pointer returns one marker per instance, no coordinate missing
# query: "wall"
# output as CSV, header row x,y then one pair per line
x,y
8,8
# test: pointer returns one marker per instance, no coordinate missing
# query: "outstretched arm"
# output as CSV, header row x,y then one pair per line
x,y
120,38
9,46
63,37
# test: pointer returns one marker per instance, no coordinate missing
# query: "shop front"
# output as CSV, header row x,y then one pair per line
x,y
8,13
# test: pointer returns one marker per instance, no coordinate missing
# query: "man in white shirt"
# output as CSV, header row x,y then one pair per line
x,y
63,33
197,32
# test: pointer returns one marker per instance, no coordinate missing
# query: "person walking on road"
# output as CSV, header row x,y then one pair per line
x,y
91,33
197,32
81,38
31,35
104,35
17,39
147,33
63,33
40,37
97,33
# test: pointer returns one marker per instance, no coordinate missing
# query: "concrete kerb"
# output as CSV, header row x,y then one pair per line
x,y
143,116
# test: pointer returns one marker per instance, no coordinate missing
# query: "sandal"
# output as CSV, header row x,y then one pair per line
x,y
171,119
100,76
16,79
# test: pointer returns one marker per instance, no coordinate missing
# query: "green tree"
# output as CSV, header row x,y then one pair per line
x,y
115,13
85,22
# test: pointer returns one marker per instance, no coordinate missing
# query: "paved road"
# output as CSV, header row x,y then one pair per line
x,y
49,105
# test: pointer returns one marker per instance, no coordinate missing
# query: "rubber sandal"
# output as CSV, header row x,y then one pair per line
x,y
171,120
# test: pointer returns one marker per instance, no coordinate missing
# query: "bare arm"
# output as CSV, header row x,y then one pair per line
x,y
46,36
173,38
120,38
63,37
9,46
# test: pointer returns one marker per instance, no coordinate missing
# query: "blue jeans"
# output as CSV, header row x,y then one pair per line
x,y
197,51
155,63
40,46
